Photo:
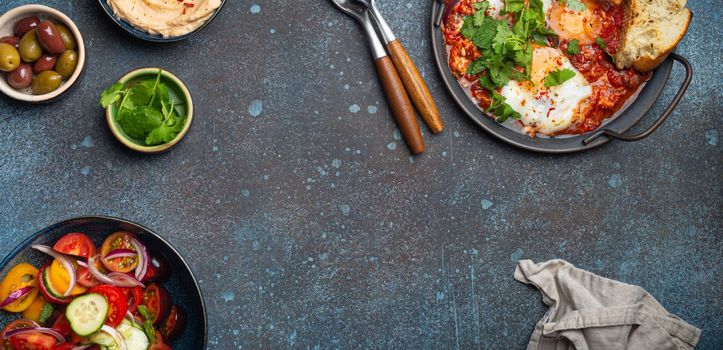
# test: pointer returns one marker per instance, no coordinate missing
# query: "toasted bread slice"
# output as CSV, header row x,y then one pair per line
x,y
652,30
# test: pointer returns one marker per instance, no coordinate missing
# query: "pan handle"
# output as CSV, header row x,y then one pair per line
x,y
661,119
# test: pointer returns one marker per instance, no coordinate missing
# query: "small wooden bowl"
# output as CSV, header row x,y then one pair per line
x,y
7,25
176,86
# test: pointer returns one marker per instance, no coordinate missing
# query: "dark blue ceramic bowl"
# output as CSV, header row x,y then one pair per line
x,y
150,37
182,285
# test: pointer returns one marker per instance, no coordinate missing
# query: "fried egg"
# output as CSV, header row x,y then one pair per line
x,y
548,110
570,24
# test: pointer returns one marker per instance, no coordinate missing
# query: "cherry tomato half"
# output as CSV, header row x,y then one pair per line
x,y
118,305
21,276
158,302
134,296
174,324
76,244
32,341
159,269
118,240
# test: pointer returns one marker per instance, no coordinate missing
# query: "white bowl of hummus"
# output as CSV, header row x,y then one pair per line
x,y
162,20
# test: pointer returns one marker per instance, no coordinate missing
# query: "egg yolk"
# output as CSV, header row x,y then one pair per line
x,y
570,24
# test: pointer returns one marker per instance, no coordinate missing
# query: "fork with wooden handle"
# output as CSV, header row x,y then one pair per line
x,y
393,87
415,85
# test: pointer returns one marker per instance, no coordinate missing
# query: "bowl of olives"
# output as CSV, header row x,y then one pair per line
x,y
41,53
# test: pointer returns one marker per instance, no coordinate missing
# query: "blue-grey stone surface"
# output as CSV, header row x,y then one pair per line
x,y
310,226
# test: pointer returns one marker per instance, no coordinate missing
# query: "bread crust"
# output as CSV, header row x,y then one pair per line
x,y
648,62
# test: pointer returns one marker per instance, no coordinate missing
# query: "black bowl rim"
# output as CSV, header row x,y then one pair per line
x,y
25,243
150,37
637,109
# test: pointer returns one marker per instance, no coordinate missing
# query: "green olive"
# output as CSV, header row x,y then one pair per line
x,y
46,82
30,49
66,64
9,58
67,36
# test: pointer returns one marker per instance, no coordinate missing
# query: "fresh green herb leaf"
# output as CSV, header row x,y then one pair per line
x,y
45,313
575,5
514,6
149,330
481,6
140,121
573,48
112,95
143,310
604,46
558,77
160,135
500,109
601,42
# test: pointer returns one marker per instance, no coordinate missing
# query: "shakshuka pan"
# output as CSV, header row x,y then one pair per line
x,y
542,67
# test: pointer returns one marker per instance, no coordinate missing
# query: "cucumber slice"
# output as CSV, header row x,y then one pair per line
x,y
135,338
49,287
103,339
87,313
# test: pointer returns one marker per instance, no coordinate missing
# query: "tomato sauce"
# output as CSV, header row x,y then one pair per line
x,y
611,87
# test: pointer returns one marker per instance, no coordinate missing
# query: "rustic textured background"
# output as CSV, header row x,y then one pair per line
x,y
311,227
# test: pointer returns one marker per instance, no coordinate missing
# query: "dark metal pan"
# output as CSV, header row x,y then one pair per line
x,y
612,129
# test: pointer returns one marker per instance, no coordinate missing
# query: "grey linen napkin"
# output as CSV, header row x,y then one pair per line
x,y
589,312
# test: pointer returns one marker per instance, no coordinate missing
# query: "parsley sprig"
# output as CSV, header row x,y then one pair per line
x,y
146,110
506,49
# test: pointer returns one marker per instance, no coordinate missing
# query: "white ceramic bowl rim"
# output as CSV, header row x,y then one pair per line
x,y
41,10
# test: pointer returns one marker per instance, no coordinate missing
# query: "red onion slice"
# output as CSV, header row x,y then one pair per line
x,y
64,260
116,336
122,280
143,259
16,295
114,278
121,253
82,263
96,273
48,331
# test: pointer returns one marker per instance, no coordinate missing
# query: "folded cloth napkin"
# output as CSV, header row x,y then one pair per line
x,y
589,312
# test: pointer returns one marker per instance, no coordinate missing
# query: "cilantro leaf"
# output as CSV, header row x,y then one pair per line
x,y
481,6
514,6
604,46
601,42
485,34
573,48
575,5
558,77
500,109
159,135
111,95
140,121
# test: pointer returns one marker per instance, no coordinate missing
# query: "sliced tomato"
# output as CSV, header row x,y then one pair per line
x,y
62,325
60,279
118,240
32,341
159,344
134,296
35,309
158,302
86,278
77,244
173,326
17,324
118,305
47,290
21,276
65,346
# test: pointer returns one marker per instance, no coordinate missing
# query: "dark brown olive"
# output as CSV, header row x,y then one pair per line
x,y
49,38
67,36
25,25
22,77
11,40
44,63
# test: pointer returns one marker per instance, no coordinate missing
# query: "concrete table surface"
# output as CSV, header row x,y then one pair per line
x,y
309,224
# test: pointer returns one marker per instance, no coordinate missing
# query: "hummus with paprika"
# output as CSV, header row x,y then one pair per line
x,y
169,18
